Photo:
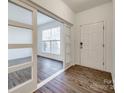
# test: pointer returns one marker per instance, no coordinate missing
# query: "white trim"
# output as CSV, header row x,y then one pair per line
x,y
19,86
18,24
51,77
113,79
13,46
19,67
34,48
22,4
92,23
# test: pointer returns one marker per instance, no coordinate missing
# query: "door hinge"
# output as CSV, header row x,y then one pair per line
x,y
103,27
103,45
103,63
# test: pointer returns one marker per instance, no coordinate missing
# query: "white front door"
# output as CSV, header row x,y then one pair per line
x,y
22,59
91,45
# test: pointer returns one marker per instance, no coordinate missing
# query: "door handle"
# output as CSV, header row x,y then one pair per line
x,y
81,45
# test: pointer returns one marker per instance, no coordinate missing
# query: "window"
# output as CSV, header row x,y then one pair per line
x,y
51,41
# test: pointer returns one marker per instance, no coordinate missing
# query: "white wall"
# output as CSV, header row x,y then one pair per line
x,y
57,7
47,26
100,13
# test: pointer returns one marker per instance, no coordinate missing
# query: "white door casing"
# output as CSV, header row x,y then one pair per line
x,y
92,49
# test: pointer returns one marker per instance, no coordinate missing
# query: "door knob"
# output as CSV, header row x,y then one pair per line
x,y
81,45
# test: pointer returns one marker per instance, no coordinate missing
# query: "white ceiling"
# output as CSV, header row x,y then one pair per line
x,y
43,19
81,5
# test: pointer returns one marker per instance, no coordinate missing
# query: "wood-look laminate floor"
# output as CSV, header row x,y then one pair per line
x,y
46,68
79,79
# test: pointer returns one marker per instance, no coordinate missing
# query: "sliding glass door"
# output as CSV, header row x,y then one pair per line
x,y
22,59
22,46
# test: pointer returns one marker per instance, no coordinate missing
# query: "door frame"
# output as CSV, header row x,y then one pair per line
x,y
104,62
32,83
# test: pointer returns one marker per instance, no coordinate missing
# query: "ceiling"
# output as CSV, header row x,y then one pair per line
x,y
81,5
43,19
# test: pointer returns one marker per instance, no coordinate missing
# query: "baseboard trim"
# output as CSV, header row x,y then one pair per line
x,y
113,80
51,77
94,68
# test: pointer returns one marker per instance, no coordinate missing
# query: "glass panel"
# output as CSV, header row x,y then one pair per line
x,y
19,77
19,14
55,47
19,56
43,19
55,33
46,35
19,35
46,47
